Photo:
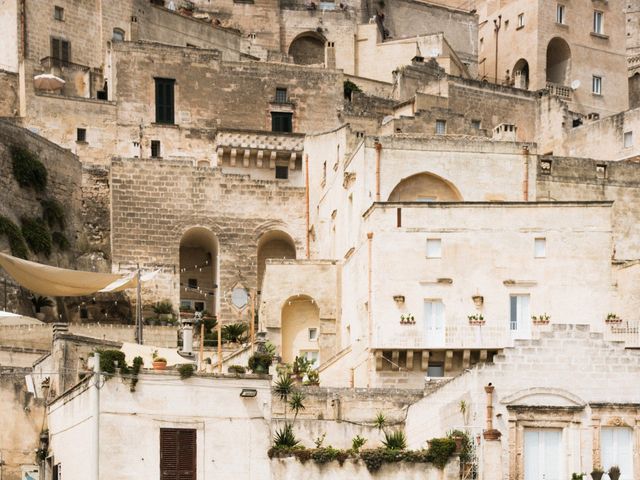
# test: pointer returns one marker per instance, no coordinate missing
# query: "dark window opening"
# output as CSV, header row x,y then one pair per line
x,y
164,100
435,370
84,313
282,172
281,95
199,306
177,454
60,52
118,35
81,135
281,122
192,282
155,149
58,13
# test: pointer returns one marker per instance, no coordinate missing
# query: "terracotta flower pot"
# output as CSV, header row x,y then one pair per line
x,y
159,365
597,475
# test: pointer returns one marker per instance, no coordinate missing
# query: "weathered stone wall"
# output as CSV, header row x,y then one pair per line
x,y
9,98
154,202
20,423
586,179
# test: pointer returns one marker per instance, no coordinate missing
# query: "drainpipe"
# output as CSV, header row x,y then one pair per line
x,y
525,181
306,165
490,433
497,24
95,467
378,154
369,357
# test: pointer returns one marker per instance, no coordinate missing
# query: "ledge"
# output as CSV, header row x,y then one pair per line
x,y
599,35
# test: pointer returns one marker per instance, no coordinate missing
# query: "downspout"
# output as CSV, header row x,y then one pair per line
x,y
95,441
525,180
378,154
306,175
23,26
369,299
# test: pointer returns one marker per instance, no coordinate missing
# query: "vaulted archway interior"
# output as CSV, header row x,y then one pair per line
x,y
300,327
199,270
558,62
273,244
308,49
425,187
521,74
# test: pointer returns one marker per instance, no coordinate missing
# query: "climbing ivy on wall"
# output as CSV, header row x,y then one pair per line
x,y
37,235
27,169
14,235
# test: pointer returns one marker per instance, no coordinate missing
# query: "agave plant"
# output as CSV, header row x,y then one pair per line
x,y
296,403
395,440
285,438
234,332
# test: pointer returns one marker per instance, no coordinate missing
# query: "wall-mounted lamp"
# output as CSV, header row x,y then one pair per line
x,y
478,300
248,392
398,298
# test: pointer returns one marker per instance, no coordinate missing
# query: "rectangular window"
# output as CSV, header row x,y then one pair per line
x,y
164,100
192,283
519,317
441,127
311,355
434,248
57,472
475,124
282,172
81,135
281,95
596,85
58,13
628,139
521,20
186,305
60,51
155,149
598,22
313,334
281,122
560,17
540,248
435,370
177,454
616,446
199,306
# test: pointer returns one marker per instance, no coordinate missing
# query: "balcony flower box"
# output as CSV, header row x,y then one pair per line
x,y
476,319
613,318
543,319
407,319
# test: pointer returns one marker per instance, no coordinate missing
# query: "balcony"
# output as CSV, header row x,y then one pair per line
x,y
81,80
625,331
558,90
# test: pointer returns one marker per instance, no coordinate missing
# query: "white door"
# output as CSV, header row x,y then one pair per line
x,y
616,448
520,316
434,322
542,454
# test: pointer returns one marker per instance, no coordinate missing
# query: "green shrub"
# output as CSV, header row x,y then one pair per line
x,y
108,359
137,365
440,449
163,308
395,440
325,454
467,447
357,443
60,241
234,332
374,458
36,235
260,362
27,169
348,88
14,235
283,386
53,213
236,369
186,371
285,437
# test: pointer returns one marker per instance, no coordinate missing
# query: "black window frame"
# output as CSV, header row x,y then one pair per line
x,y
81,135
58,13
192,282
282,168
156,149
282,95
60,51
165,100
282,122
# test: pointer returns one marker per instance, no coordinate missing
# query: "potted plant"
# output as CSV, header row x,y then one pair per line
x,y
542,319
260,362
159,363
614,472
597,473
476,319
407,318
613,318
39,302
163,309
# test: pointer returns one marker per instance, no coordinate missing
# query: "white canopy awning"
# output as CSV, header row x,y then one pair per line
x,y
61,282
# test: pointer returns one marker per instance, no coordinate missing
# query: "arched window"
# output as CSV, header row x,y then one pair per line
x,y
425,187
118,35
558,62
308,49
198,270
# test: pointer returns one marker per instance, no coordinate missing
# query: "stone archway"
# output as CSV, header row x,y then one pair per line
x,y
199,250
425,187
521,74
558,61
273,244
300,327
308,49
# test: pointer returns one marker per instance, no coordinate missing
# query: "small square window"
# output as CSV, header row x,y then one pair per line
x,y
596,85
435,370
313,334
521,20
282,172
58,13
186,305
155,149
598,22
198,306
560,17
441,127
475,124
192,282
540,248
81,135
434,248
311,355
281,95
628,139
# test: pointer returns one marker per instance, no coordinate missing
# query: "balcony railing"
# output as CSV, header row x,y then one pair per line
x,y
627,332
558,90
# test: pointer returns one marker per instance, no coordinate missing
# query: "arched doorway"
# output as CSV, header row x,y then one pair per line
x,y
307,49
300,327
521,74
273,244
199,270
425,187
558,62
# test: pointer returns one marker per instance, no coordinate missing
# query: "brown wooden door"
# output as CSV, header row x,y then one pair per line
x,y
177,454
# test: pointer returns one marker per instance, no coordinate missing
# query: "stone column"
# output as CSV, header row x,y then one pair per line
x,y
492,452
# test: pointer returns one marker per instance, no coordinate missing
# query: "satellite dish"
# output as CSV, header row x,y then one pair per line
x,y
575,84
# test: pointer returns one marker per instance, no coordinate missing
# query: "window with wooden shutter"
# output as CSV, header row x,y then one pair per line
x,y
281,122
60,51
164,100
177,454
